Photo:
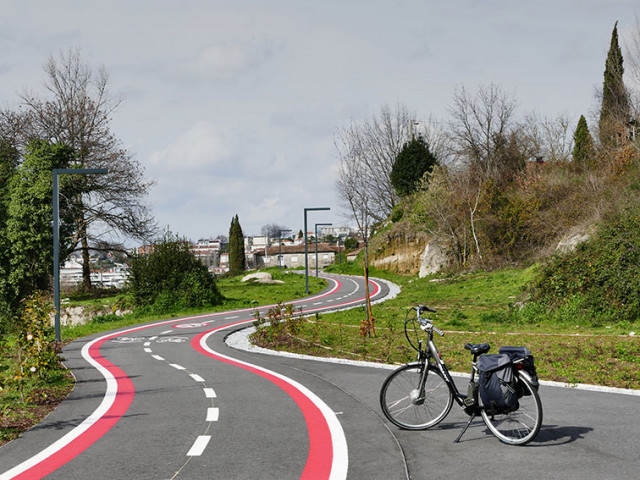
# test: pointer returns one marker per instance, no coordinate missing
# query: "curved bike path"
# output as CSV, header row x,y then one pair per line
x,y
327,455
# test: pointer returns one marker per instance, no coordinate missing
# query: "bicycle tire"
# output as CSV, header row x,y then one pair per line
x,y
403,405
521,426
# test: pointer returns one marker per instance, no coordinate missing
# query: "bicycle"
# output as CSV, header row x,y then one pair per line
x,y
420,394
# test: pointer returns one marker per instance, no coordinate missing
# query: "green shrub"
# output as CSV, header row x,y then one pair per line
x,y
170,277
600,280
36,338
109,317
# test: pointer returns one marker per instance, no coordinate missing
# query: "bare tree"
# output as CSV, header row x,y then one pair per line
x,y
357,198
478,124
378,141
272,230
76,111
632,51
549,138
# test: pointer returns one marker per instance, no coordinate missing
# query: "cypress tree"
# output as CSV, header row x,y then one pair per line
x,y
237,261
615,111
583,143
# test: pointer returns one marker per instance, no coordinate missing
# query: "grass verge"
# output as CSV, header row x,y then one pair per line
x,y
475,308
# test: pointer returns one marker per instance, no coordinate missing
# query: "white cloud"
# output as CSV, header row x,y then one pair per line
x,y
202,147
228,60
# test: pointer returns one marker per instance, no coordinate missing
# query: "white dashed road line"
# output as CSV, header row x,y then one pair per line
x,y
212,414
199,445
209,393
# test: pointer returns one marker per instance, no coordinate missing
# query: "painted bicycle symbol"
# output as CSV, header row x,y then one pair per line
x,y
129,339
192,325
171,340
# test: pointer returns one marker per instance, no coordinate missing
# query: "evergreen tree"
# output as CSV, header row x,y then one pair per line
x,y
9,158
28,223
615,111
237,261
583,143
414,160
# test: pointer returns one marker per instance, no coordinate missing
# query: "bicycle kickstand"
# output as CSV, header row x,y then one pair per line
x,y
473,415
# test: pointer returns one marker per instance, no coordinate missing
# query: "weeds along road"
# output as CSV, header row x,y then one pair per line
x,y
173,400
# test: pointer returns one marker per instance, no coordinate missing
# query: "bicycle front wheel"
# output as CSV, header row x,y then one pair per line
x,y
411,406
521,426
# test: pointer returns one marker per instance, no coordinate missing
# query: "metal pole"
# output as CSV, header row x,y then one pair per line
x,y
56,252
306,248
56,236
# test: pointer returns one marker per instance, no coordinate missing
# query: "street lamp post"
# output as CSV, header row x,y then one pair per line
x,y
56,234
316,238
306,248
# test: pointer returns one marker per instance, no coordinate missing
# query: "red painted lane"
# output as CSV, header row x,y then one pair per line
x,y
123,398
320,457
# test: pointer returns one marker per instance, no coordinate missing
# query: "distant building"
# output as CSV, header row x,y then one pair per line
x,y
114,276
208,252
293,256
337,231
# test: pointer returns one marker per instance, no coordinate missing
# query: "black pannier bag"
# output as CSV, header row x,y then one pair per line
x,y
497,383
517,353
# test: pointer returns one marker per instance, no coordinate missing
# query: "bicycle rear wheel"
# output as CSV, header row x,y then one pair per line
x,y
521,426
408,406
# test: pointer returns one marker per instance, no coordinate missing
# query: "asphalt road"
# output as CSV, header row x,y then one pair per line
x,y
173,400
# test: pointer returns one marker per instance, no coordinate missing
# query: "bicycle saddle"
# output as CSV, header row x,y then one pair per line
x,y
477,349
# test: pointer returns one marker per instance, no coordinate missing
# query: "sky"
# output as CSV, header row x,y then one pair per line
x,y
232,106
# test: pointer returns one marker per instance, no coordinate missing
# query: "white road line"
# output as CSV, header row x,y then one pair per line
x,y
147,344
339,446
168,331
199,445
157,357
148,350
196,377
318,303
210,393
212,414
231,318
152,339
176,366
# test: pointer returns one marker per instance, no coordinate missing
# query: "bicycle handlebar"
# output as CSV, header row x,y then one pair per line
x,y
423,308
427,324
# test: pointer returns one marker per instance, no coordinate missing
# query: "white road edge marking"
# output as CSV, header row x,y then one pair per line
x,y
340,463
210,393
199,445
